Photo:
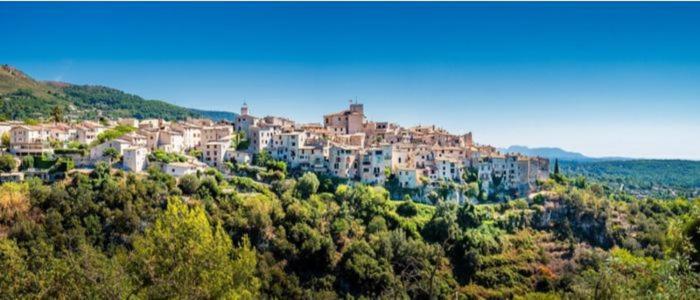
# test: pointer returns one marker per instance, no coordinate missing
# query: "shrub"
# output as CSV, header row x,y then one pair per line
x,y
189,184
308,185
7,163
407,209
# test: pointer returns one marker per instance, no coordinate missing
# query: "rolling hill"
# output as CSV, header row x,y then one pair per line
x,y
23,97
556,153
546,152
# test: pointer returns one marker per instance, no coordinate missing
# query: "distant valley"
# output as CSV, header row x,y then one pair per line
x,y
663,178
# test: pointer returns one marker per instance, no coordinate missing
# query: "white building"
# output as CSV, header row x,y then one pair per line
x,y
374,164
215,152
449,169
191,135
241,157
215,133
135,159
120,145
171,141
409,178
343,161
261,138
132,122
179,169
29,140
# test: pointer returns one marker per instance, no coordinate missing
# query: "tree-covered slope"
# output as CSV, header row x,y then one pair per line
x,y
115,103
123,235
656,177
23,97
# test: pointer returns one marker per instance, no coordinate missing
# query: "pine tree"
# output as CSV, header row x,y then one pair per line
x,y
57,114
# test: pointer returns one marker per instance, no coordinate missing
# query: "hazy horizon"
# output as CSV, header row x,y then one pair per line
x,y
602,79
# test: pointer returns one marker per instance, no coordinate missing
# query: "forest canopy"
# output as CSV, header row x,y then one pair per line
x,y
113,234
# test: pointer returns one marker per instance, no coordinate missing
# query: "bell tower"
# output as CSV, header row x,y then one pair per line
x,y
244,109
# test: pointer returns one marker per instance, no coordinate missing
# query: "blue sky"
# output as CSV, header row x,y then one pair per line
x,y
605,79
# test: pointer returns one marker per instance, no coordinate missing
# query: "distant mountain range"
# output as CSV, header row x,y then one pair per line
x,y
23,97
556,153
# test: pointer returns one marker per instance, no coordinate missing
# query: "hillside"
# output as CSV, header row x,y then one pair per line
x,y
114,235
653,177
555,153
23,97
215,115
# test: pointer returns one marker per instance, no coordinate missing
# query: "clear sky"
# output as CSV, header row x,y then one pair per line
x,y
604,79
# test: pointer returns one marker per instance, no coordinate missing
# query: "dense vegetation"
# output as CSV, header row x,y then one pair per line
x,y
121,235
22,97
657,178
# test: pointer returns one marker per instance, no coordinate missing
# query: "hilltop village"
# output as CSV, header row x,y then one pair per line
x,y
344,146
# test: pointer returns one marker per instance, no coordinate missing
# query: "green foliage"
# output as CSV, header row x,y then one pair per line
x,y
657,178
165,157
113,133
242,145
57,114
63,165
26,98
626,276
112,153
5,140
196,153
124,235
39,162
362,272
307,185
189,184
7,163
407,208
30,121
70,151
27,162
181,255
115,103
263,159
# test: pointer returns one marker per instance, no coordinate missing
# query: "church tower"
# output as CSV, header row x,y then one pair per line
x,y
244,109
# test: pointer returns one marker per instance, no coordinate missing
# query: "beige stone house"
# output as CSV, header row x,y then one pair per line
x,y
29,140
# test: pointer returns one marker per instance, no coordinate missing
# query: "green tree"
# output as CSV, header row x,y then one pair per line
x,y
27,162
112,154
467,216
407,208
7,163
15,278
362,274
6,140
442,227
189,184
30,121
181,255
57,114
307,185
